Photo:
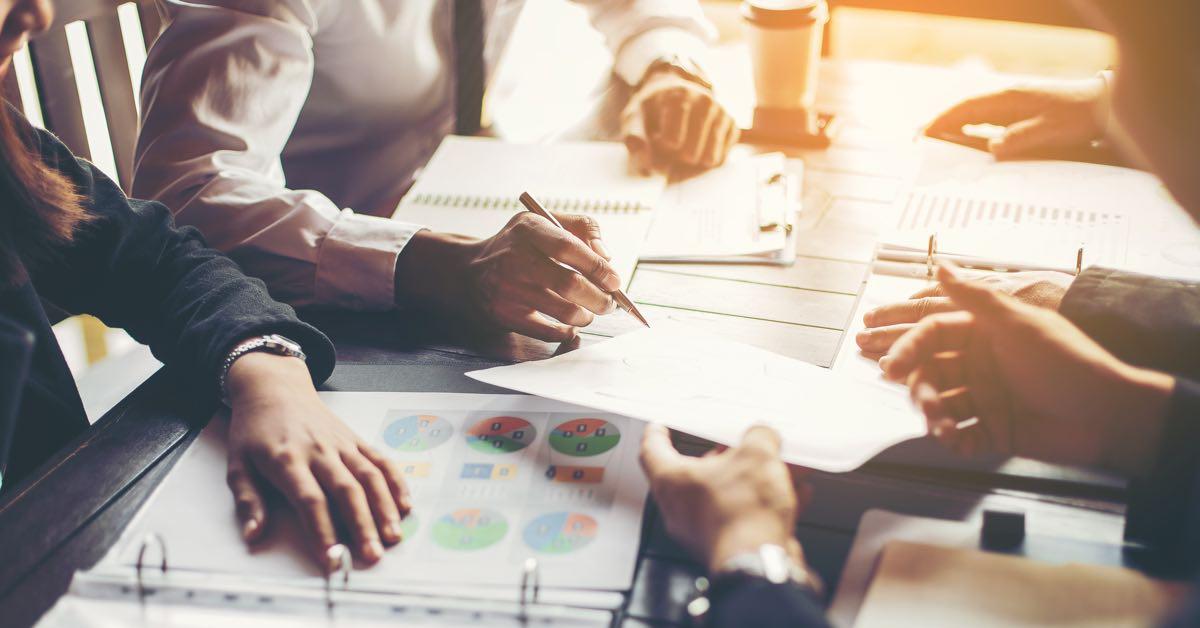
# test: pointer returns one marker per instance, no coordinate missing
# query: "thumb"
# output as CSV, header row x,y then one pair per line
x,y
984,303
1023,138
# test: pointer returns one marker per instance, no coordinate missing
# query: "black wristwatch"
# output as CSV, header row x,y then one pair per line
x,y
682,66
771,563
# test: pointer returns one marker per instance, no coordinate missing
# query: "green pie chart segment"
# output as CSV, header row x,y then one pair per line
x,y
469,529
501,435
584,437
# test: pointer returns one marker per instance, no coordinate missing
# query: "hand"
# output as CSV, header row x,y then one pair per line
x,y
513,279
727,502
672,120
281,432
1040,118
1038,386
886,323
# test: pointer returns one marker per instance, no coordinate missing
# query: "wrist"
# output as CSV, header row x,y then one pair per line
x,y
744,535
1137,423
259,375
430,267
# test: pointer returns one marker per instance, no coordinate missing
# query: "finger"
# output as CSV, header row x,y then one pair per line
x,y
731,139
302,491
717,146
247,498
551,304
658,453
985,303
561,245
393,475
762,438
570,286
672,115
907,311
880,339
348,496
380,498
587,229
936,334
701,116
932,290
1000,108
529,323
1022,138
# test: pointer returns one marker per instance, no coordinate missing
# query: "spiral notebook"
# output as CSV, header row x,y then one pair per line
x,y
470,186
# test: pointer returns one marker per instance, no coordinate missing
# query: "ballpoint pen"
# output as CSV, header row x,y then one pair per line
x,y
618,295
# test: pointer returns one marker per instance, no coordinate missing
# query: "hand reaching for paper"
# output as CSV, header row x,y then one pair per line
x,y
729,501
1037,385
672,120
885,324
282,435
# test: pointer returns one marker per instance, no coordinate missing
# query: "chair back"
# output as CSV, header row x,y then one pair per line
x,y
79,73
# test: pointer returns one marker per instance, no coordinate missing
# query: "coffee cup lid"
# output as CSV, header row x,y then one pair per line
x,y
784,13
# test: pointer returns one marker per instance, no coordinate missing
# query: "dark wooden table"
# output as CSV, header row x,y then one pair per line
x,y
70,514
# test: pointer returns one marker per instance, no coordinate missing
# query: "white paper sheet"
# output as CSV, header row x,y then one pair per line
x,y
716,389
495,479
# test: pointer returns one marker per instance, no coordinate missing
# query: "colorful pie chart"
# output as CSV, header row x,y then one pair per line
x,y
584,437
420,432
469,529
560,532
501,434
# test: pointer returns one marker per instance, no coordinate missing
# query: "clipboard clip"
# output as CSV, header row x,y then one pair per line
x,y
772,201
930,256
337,555
531,585
153,539
1079,261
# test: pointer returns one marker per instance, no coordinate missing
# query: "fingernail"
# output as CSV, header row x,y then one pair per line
x,y
600,249
885,362
863,337
249,529
373,550
406,503
392,530
869,318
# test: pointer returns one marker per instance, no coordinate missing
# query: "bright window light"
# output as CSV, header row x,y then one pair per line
x,y
94,122
22,66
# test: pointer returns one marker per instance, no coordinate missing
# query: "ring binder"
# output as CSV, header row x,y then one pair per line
x,y
340,555
930,255
303,597
156,539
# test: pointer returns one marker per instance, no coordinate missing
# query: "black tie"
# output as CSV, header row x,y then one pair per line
x,y
468,66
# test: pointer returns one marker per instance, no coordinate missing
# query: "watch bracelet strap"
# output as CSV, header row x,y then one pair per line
x,y
681,66
258,343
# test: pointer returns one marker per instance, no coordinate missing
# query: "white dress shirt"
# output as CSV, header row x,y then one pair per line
x,y
288,130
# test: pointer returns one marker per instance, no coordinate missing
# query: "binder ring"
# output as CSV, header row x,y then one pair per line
x,y
151,539
530,578
340,555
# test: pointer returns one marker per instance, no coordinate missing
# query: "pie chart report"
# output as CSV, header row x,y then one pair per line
x,y
584,437
560,532
501,434
469,529
420,432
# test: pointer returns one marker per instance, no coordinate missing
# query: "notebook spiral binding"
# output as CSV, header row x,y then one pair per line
x,y
153,582
553,203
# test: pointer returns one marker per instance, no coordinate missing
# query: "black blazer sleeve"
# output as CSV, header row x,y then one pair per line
x,y
133,269
759,603
1143,320
1164,506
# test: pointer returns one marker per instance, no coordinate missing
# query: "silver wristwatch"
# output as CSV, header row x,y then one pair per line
x,y
771,563
273,343
682,66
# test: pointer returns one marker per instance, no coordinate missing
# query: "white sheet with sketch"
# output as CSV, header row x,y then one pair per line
x,y
496,479
717,389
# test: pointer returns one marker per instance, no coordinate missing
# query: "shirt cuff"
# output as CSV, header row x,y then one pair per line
x,y
357,265
640,52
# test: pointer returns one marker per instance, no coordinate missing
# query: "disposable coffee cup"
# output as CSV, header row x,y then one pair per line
x,y
785,50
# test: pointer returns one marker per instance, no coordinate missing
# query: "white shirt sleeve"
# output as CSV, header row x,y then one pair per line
x,y
222,89
639,32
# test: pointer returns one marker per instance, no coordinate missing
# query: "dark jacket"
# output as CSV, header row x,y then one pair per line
x,y
133,269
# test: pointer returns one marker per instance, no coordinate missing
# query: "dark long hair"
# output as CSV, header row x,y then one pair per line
x,y
40,210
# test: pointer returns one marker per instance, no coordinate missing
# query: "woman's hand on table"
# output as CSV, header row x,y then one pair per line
x,y
672,120
282,435
1035,384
